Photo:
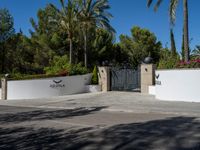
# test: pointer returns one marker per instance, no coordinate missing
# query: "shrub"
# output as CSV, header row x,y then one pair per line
x,y
77,69
190,64
58,65
170,63
61,66
168,60
95,76
26,77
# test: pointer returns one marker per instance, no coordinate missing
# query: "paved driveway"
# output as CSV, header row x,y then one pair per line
x,y
114,120
112,101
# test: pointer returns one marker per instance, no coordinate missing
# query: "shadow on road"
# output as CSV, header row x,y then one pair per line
x,y
178,133
46,115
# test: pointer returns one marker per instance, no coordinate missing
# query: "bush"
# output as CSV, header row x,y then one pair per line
x,y
58,65
95,76
167,60
171,63
77,69
61,66
26,77
190,64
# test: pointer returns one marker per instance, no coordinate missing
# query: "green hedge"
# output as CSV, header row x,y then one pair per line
x,y
28,77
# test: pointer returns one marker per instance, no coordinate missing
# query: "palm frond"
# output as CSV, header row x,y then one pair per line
x,y
149,2
172,11
157,5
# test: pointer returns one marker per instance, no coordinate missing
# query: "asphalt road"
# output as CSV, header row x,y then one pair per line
x,y
97,122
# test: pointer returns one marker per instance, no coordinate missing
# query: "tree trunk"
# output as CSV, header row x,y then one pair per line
x,y
70,51
85,49
186,32
3,59
173,45
182,47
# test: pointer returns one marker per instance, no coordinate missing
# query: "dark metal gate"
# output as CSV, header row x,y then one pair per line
x,y
125,79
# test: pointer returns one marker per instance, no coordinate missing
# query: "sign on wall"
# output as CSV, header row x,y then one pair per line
x,y
57,84
158,82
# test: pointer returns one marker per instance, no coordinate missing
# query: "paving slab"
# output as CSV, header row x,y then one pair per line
x,y
112,101
103,121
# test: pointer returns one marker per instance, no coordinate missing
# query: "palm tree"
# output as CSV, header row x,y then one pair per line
x,y
93,14
173,45
196,52
172,13
68,21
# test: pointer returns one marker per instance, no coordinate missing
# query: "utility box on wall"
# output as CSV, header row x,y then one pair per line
x,y
147,77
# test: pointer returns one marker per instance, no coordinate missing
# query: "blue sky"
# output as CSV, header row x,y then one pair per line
x,y
127,13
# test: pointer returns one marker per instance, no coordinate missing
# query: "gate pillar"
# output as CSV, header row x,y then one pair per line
x,y
4,89
104,78
147,77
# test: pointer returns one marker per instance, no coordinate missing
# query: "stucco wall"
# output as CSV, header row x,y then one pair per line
x,y
40,88
0,93
178,85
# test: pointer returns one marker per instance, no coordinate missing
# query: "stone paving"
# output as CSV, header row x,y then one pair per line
x,y
112,101
102,121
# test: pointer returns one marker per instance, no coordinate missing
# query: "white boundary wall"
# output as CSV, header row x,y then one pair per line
x,y
49,87
0,93
152,90
178,85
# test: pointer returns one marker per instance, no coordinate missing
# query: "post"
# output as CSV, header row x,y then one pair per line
x,y
4,88
147,77
104,78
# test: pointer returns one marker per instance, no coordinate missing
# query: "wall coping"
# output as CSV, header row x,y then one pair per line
x,y
184,69
47,78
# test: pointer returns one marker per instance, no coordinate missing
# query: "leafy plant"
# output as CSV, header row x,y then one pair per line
x,y
140,45
18,76
168,60
61,66
95,76
58,65
77,69
190,64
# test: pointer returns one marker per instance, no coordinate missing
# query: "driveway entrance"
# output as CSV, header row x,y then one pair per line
x,y
125,79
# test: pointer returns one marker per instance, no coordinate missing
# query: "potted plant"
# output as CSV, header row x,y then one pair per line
x,y
94,87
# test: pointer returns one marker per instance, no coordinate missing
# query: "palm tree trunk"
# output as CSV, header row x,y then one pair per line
x,y
186,32
3,58
85,48
70,51
173,45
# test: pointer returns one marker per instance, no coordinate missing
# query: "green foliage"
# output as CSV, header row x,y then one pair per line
x,y
6,32
167,60
68,21
77,69
142,44
95,76
57,65
172,8
6,25
196,53
60,66
18,76
191,64
94,14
